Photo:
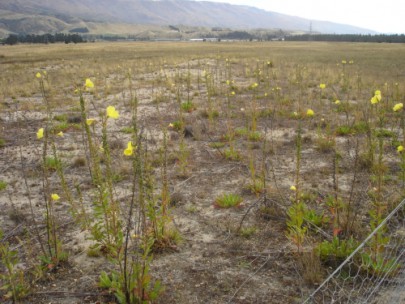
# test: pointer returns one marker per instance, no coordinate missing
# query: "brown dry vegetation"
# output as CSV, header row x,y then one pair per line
x,y
234,255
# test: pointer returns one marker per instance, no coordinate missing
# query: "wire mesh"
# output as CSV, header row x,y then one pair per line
x,y
369,275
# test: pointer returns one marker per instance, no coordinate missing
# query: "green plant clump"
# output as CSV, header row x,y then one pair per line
x,y
228,200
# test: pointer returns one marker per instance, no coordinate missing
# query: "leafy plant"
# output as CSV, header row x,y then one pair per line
x,y
12,281
187,106
379,265
228,200
3,185
336,250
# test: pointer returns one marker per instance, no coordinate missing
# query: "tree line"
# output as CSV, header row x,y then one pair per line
x,y
348,38
45,38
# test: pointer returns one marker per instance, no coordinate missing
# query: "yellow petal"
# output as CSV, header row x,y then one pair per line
x,y
129,150
374,100
111,112
337,101
40,133
89,84
310,113
55,197
293,188
38,75
398,107
400,149
322,85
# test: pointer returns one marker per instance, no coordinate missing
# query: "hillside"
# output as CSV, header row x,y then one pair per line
x,y
37,16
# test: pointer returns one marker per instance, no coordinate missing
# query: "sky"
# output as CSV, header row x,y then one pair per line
x,y
383,16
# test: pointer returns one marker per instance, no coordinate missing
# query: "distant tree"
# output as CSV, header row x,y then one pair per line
x,y
11,39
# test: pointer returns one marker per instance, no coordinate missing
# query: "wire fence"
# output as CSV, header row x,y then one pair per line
x,y
369,275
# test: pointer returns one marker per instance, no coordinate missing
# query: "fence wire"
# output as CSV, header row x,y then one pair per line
x,y
367,275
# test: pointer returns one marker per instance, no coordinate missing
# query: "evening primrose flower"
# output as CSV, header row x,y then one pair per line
x,y
398,107
60,134
337,101
55,197
322,85
374,100
38,75
293,188
377,97
310,113
89,84
111,112
129,150
255,85
40,133
344,61
400,149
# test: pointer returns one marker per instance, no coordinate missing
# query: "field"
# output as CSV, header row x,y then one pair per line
x,y
225,172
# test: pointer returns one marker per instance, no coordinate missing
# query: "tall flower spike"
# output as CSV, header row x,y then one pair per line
x,y
111,112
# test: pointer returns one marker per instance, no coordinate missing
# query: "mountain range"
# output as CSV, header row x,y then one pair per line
x,y
127,16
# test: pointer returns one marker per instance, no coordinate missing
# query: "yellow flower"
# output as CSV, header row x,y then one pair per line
x,y
89,84
89,121
377,94
351,61
40,133
171,125
38,75
55,197
255,85
129,150
44,73
60,134
292,188
228,82
322,85
111,112
295,114
398,107
400,149
374,100
233,93
337,101
344,62
310,113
